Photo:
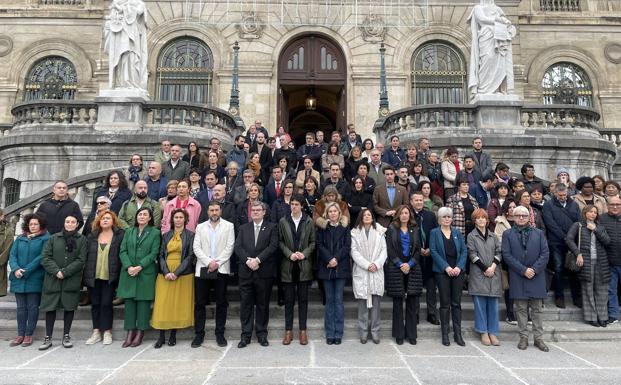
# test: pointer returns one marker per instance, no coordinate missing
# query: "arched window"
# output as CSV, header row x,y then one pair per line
x,y
184,72
11,191
438,75
52,77
567,83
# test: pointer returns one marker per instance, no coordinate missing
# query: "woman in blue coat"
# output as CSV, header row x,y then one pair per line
x,y
27,275
449,254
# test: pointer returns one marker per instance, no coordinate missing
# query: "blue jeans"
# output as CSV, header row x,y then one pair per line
x,y
613,300
27,312
335,310
485,314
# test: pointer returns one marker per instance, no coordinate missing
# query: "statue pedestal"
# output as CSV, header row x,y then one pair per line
x,y
121,109
497,111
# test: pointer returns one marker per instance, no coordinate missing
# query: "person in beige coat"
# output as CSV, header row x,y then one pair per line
x,y
368,251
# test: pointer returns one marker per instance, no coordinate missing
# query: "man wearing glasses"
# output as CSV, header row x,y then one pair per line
x,y
525,250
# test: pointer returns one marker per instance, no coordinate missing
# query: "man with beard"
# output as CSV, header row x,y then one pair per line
x,y
213,246
237,154
140,199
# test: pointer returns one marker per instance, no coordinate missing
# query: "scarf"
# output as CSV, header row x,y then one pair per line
x,y
70,244
456,167
134,172
524,233
484,235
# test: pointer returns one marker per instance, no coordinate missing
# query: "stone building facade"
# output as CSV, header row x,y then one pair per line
x,y
566,52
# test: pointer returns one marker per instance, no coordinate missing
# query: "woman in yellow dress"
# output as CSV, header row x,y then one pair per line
x,y
174,289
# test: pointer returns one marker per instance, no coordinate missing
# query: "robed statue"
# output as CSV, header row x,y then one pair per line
x,y
125,35
491,57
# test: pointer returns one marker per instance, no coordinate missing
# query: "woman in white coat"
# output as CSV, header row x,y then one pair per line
x,y
368,251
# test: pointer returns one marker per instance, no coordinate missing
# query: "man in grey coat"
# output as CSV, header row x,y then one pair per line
x,y
525,250
176,168
483,161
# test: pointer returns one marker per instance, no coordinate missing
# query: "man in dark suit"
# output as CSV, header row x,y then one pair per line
x,y
387,197
274,187
227,209
337,181
426,221
255,247
251,135
308,151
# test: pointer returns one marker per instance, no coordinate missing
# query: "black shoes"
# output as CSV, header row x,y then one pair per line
x,y
445,340
330,341
221,341
459,339
603,323
337,341
264,342
243,343
560,303
159,343
594,323
432,319
198,340
399,341
412,341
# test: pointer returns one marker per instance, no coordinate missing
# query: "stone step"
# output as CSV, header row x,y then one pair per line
x,y
553,331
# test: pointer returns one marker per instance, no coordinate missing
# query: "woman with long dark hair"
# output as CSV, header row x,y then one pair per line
x,y
115,188
193,155
404,276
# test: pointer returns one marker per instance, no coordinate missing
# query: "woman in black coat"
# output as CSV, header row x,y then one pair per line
x,y
359,200
101,273
334,267
115,188
594,274
404,277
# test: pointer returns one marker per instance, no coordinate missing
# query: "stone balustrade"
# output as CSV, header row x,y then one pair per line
x,y
559,116
194,115
430,116
79,3
71,112
559,5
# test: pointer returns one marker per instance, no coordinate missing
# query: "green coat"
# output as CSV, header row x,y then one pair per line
x,y
127,214
7,232
307,246
62,293
141,252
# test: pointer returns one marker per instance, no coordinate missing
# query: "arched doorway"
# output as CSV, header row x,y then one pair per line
x,y
312,65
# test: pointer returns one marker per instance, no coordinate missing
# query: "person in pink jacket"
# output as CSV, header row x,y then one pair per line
x,y
184,201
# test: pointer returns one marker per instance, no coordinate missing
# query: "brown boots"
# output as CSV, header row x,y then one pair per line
x,y
289,337
133,339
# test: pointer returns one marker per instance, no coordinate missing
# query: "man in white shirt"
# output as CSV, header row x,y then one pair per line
x,y
213,246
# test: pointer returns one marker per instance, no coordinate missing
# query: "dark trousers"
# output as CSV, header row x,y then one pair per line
x,y
255,296
400,329
291,289
201,290
431,295
50,319
102,295
27,312
450,301
557,261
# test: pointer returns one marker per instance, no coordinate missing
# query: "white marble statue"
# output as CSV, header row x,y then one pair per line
x,y
491,58
125,34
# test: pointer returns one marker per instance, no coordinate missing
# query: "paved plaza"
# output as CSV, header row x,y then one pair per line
x,y
429,362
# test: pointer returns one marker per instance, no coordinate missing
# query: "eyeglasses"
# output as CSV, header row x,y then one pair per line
x,y
101,203
522,216
614,204
446,216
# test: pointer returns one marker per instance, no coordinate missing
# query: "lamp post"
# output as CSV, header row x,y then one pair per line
x,y
234,101
384,107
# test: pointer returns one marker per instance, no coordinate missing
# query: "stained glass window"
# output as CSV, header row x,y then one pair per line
x,y
185,71
52,77
567,83
438,75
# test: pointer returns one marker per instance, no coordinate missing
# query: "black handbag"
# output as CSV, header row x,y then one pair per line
x,y
570,258
205,274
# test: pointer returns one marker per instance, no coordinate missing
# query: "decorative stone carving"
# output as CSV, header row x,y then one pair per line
x,y
125,34
6,45
373,28
491,58
250,27
612,51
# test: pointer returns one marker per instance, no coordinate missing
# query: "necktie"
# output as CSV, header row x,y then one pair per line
x,y
209,194
277,189
257,228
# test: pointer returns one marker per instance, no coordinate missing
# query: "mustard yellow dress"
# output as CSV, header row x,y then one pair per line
x,y
174,300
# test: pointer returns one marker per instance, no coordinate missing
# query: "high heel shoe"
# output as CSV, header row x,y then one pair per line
x,y
129,338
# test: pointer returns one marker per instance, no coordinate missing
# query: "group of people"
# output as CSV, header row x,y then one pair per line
x,y
166,237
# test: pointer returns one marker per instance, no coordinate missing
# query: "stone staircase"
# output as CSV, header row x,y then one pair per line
x,y
559,324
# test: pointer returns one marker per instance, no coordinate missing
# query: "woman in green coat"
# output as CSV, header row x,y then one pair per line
x,y
139,251
64,256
